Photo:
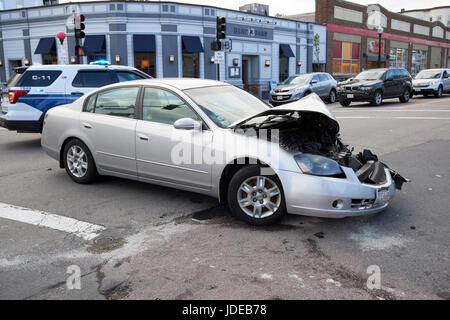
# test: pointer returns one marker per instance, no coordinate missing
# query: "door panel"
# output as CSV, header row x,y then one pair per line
x,y
162,152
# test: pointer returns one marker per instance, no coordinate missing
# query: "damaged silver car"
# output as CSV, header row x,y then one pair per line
x,y
215,139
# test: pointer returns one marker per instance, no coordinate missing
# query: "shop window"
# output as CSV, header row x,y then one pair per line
x,y
398,57
145,61
346,56
50,58
190,65
419,61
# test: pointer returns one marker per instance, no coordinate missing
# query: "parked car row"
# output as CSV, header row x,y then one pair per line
x,y
372,85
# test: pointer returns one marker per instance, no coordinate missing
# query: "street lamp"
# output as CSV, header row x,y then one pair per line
x,y
380,32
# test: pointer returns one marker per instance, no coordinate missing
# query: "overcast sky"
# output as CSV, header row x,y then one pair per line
x,y
301,6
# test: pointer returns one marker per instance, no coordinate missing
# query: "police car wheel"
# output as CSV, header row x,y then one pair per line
x,y
79,163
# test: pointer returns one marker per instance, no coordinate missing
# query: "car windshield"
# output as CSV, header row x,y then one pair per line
x,y
429,74
370,75
303,79
226,104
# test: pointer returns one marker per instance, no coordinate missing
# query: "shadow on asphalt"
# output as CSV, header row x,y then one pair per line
x,y
32,143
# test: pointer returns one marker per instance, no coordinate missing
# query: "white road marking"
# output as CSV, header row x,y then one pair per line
x,y
85,230
394,110
400,118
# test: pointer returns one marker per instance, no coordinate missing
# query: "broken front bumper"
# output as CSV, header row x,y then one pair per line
x,y
334,197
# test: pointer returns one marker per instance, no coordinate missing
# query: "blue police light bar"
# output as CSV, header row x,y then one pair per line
x,y
101,62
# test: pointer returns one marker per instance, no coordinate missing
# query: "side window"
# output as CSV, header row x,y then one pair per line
x,y
390,74
90,103
128,76
444,75
119,102
323,77
42,78
92,79
315,77
164,107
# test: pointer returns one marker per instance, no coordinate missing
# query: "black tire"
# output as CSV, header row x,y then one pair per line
x,y
425,94
377,98
332,96
438,93
91,173
406,95
307,93
344,103
248,172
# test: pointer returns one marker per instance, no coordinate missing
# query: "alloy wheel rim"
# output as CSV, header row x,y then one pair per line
x,y
333,97
406,95
259,197
378,98
439,92
77,161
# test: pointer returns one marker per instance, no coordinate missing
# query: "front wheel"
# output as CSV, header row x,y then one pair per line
x,y
256,197
332,96
344,103
438,93
405,96
377,98
79,163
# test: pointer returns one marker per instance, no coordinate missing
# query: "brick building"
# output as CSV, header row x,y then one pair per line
x,y
408,42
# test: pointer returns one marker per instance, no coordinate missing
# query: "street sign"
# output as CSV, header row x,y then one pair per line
x,y
219,57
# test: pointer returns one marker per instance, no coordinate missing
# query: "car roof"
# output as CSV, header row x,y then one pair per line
x,y
178,83
77,66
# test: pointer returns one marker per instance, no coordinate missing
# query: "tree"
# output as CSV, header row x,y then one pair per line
x,y
316,44
279,15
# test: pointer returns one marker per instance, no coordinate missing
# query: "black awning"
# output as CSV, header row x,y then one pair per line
x,y
46,45
192,44
286,50
94,44
144,43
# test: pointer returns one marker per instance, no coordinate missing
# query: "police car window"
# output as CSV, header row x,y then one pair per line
x,y
120,102
164,107
127,76
42,78
92,79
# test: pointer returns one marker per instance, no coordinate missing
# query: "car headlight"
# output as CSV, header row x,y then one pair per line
x,y
366,88
432,83
318,165
295,92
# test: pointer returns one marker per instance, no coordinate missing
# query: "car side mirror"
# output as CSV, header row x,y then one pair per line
x,y
313,81
187,124
388,79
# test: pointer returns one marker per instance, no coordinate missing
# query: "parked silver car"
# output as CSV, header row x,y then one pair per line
x,y
297,86
432,81
216,139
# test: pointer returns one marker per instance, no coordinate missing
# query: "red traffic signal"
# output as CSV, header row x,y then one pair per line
x,y
79,51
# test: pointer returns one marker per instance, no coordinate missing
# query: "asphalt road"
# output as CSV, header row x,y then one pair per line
x,y
164,243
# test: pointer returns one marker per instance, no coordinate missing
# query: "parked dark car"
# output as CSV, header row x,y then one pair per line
x,y
375,85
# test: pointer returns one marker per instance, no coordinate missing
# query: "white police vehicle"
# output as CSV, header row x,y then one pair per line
x,y
46,86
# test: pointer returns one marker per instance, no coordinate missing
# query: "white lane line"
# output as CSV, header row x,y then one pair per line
x,y
396,110
400,118
85,230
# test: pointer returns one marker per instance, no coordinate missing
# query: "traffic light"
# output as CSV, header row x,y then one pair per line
x,y
79,51
221,28
79,26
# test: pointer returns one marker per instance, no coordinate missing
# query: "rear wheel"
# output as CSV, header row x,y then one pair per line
x,y
425,94
332,96
79,163
377,98
405,96
255,197
344,103
438,93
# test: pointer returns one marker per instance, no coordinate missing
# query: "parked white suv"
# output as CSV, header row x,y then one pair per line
x,y
432,81
43,87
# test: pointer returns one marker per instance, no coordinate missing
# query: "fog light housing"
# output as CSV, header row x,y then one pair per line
x,y
338,204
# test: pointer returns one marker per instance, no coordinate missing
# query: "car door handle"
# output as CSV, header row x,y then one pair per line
x,y
87,125
142,137
76,93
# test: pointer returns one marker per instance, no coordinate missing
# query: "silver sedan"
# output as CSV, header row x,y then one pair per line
x,y
215,139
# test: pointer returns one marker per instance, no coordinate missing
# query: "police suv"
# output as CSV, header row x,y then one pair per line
x,y
46,86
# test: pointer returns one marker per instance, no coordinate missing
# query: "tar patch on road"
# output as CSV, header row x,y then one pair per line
x,y
106,244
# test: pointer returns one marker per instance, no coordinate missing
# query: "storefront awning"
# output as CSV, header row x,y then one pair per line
x,y
94,43
192,44
286,50
45,45
144,43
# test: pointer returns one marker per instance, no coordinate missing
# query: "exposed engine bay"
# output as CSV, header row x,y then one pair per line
x,y
315,133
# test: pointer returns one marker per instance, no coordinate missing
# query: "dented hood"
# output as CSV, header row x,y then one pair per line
x,y
309,104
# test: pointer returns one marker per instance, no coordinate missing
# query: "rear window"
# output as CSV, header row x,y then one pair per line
x,y
92,79
42,78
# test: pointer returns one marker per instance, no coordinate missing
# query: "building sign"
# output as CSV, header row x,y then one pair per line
x,y
372,47
238,30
